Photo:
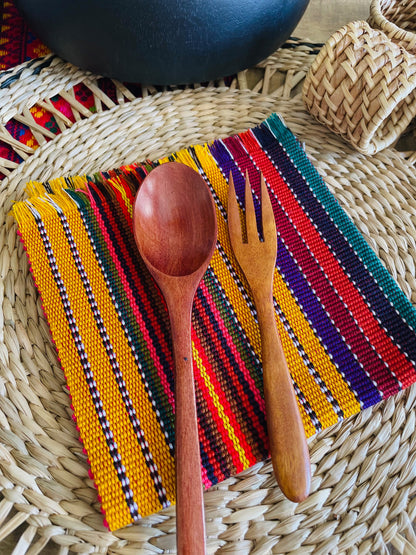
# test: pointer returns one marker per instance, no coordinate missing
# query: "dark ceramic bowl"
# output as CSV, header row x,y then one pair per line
x,y
163,42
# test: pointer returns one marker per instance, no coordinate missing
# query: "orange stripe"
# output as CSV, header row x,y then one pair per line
x,y
114,406
91,433
134,384
321,406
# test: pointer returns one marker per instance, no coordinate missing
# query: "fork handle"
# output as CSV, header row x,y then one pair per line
x,y
288,447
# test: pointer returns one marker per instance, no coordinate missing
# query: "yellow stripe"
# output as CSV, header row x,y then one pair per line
x,y
138,395
115,182
124,434
102,467
221,413
297,367
37,188
314,350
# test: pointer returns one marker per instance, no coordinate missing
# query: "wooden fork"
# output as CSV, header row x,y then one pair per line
x,y
288,446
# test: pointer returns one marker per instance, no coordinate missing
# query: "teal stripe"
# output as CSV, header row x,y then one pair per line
x,y
346,226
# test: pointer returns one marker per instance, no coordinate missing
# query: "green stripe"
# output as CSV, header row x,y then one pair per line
x,y
253,427
142,349
346,226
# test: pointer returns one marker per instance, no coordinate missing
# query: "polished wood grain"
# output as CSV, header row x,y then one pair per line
x,y
176,232
257,258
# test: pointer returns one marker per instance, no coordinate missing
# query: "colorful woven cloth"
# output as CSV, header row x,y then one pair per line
x,y
347,330
18,43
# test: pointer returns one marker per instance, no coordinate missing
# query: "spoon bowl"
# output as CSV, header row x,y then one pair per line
x,y
175,229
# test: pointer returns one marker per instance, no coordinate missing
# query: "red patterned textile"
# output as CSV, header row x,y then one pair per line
x,y
17,42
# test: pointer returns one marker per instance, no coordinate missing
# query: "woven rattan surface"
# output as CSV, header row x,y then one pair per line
x,y
363,468
362,86
397,19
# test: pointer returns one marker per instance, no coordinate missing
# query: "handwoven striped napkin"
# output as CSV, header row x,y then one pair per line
x,y
347,329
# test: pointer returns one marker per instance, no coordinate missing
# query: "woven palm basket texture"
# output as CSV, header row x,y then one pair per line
x,y
363,487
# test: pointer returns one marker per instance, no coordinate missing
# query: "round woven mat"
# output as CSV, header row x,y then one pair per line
x,y
363,468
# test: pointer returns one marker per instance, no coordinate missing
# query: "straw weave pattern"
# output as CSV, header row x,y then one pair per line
x,y
397,19
362,86
347,330
363,470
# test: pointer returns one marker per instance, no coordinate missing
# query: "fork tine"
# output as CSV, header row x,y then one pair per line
x,y
251,224
268,221
234,223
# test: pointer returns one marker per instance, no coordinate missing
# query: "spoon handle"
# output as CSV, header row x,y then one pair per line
x,y
190,522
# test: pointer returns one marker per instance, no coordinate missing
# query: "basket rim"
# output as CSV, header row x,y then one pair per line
x,y
385,24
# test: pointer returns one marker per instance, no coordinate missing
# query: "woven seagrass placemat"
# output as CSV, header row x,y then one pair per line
x,y
363,469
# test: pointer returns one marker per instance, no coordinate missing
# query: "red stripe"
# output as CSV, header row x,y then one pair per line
x,y
349,328
212,408
342,318
219,349
329,265
132,300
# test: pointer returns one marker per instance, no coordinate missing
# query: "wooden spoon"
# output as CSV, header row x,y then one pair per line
x,y
175,228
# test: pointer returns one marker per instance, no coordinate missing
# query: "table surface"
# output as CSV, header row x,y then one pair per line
x,y
323,17
320,20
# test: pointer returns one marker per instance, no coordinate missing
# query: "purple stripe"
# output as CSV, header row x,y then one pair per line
x,y
383,310
321,324
357,379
